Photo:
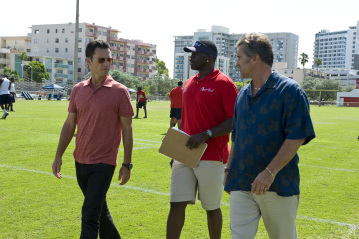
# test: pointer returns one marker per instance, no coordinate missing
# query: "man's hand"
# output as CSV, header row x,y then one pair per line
x,y
261,184
56,167
195,140
124,174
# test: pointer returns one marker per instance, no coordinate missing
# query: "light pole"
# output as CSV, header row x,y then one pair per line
x,y
31,72
22,71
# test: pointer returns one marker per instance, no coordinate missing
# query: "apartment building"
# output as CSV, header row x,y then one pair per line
x,y
285,47
338,49
57,40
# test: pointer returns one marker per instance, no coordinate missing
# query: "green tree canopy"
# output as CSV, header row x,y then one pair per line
x,y
312,86
303,59
23,56
38,71
10,72
125,79
161,68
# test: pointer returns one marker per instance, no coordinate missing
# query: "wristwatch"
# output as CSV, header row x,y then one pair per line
x,y
129,166
209,133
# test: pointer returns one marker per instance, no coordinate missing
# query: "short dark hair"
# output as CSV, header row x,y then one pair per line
x,y
210,45
139,88
257,43
180,83
91,47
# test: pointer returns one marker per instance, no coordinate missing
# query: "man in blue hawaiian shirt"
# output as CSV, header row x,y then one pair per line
x,y
271,121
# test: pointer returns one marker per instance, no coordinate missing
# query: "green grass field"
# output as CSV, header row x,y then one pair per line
x,y
35,204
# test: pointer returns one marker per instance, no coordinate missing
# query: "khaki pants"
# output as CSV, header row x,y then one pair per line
x,y
279,214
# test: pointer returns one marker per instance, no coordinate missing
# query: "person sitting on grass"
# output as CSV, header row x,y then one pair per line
x,y
141,101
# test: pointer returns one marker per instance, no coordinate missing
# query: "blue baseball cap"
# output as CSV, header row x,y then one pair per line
x,y
200,47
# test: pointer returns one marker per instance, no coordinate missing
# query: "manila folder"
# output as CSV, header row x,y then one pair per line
x,y
174,146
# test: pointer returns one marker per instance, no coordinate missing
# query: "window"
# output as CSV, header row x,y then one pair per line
x,y
66,50
36,50
47,50
63,30
70,63
78,69
99,33
70,72
80,39
56,31
104,34
79,50
56,50
49,70
66,40
48,40
36,31
48,31
79,60
80,29
36,41
57,40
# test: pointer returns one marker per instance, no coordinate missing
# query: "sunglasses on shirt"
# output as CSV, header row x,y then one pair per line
x,y
102,60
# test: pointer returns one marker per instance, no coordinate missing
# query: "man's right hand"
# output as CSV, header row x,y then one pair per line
x,y
56,167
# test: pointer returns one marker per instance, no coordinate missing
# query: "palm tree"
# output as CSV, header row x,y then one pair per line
x,y
303,60
23,57
317,62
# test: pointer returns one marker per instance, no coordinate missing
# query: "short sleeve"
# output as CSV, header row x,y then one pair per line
x,y
229,96
72,105
125,106
297,122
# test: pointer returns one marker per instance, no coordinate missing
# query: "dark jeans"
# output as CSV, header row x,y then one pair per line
x,y
94,181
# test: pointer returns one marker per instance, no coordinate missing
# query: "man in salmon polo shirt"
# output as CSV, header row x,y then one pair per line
x,y
176,105
207,111
101,109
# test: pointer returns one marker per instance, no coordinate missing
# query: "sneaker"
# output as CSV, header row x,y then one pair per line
x,y
12,110
145,117
136,117
5,115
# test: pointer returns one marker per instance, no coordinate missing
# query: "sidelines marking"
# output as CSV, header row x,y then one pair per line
x,y
339,169
353,226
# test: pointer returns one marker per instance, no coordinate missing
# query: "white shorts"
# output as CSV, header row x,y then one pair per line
x,y
207,177
278,213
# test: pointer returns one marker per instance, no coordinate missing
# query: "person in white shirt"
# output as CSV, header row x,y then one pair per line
x,y
4,95
12,94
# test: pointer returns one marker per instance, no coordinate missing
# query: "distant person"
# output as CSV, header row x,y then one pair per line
x,y
271,121
141,101
4,95
176,105
207,111
101,109
12,94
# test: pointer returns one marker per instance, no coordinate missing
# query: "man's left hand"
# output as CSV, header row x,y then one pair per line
x,y
124,174
195,140
261,184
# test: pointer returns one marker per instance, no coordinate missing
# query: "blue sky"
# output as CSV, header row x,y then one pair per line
x,y
157,21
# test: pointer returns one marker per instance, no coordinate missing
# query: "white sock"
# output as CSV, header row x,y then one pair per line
x,y
4,111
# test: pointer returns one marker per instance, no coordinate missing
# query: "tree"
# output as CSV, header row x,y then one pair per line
x,y
161,68
38,71
23,57
303,60
10,72
125,79
313,86
318,62
349,88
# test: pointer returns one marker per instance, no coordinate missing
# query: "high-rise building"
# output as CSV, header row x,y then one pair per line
x,y
57,40
285,47
338,49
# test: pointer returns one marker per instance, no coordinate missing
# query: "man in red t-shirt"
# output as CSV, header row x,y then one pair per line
x,y
207,110
141,101
176,105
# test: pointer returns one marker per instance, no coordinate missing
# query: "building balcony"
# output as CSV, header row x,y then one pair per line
x,y
90,34
114,57
140,61
114,48
4,61
121,49
112,38
121,58
141,53
61,66
61,75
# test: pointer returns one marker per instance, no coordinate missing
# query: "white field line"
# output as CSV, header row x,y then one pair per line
x,y
338,169
353,226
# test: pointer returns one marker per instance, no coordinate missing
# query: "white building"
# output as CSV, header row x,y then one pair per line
x,y
57,40
337,49
285,47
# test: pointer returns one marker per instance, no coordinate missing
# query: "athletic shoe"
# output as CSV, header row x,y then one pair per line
x,y
5,115
145,117
136,117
